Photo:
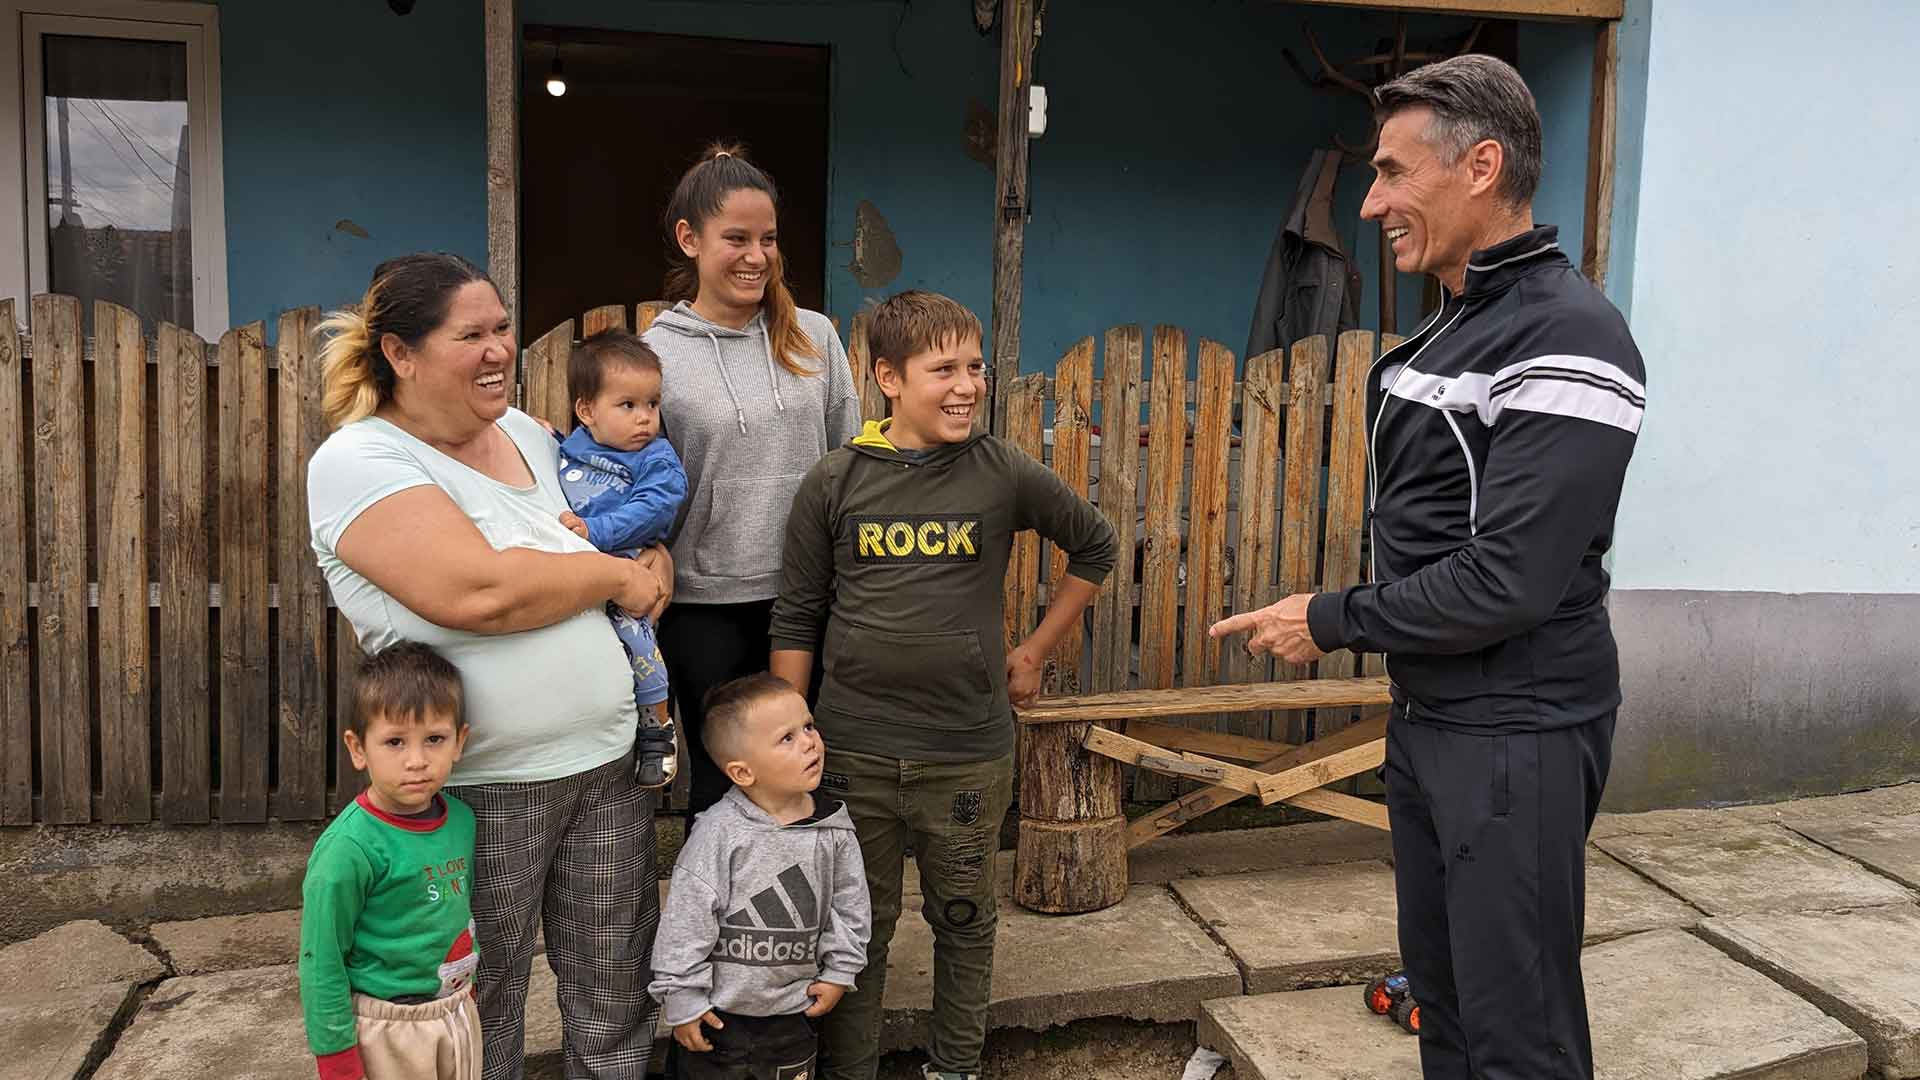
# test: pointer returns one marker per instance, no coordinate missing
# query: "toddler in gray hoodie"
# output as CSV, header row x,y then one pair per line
x,y
767,919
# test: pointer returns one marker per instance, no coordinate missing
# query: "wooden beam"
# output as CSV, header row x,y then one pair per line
x,y
1218,744
1313,774
1109,743
1601,133
503,151
1203,700
1491,9
1345,807
1010,195
1196,804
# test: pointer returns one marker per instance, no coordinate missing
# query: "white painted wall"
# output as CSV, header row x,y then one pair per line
x,y
1776,296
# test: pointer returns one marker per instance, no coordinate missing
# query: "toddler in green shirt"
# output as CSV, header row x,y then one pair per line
x,y
387,956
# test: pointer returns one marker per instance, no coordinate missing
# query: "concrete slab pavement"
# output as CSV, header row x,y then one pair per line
x,y
1750,868
74,955
240,1025
1855,965
1648,1020
1890,846
1304,926
58,1035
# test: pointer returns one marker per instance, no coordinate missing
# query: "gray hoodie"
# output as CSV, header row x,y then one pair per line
x,y
758,910
747,430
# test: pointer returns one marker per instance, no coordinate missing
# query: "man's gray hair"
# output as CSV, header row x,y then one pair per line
x,y
1473,98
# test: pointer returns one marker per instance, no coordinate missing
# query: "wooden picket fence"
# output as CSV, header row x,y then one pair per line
x,y
169,650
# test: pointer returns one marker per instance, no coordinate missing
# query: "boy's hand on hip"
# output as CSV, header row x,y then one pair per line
x,y
825,996
574,525
691,1037
1023,676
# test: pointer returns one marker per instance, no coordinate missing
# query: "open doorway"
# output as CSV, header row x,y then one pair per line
x,y
598,163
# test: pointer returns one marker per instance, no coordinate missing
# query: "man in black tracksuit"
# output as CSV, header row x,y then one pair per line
x,y
1498,436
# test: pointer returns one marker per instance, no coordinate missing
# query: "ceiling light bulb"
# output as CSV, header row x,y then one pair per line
x,y
556,84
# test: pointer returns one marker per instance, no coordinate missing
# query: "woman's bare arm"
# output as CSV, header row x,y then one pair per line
x,y
422,550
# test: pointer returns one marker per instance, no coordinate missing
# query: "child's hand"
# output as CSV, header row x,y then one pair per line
x,y
825,996
1023,676
691,1037
574,525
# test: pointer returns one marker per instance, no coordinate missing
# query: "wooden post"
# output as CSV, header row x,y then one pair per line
x,y
1010,196
16,686
1072,855
503,151
1601,127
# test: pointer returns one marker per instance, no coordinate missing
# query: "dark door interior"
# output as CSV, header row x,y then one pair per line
x,y
598,163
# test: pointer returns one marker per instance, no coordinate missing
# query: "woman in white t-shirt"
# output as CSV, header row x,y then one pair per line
x,y
436,518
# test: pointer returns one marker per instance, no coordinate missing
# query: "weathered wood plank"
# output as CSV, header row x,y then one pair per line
x,y
1346,494
1118,497
1207,516
245,710
1300,495
60,512
1072,444
1313,774
185,728
16,688
120,486
1264,393
1602,124
1023,566
1159,589
1346,807
1196,804
645,312
545,391
873,403
1206,700
501,44
1009,205
1493,9
604,317
302,707
1128,751
346,661
1218,744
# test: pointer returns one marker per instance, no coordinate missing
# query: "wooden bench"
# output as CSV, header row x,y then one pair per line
x,y
1075,858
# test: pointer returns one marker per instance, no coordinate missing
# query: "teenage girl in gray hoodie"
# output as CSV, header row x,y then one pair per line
x,y
755,390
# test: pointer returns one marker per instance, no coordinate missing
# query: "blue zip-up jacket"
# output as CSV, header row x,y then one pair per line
x,y
628,498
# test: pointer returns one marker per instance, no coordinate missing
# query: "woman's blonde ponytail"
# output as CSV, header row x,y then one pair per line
x,y
349,389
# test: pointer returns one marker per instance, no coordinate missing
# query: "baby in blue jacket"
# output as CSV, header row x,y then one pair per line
x,y
625,485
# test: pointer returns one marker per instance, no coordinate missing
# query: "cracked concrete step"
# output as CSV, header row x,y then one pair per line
x,y
1856,965
244,1025
1312,926
57,1034
1891,846
74,955
1652,999
229,942
1748,868
1142,959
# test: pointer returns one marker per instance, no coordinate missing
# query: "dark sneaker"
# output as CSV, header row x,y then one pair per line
x,y
657,759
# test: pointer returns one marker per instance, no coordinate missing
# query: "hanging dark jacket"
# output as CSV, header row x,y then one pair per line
x,y
1497,438
1308,289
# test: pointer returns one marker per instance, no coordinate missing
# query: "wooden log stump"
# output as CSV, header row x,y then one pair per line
x,y
1072,854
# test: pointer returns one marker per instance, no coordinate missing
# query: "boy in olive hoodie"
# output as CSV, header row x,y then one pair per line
x,y
897,545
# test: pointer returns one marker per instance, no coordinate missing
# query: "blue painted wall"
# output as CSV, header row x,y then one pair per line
x,y
1773,295
1173,148
343,111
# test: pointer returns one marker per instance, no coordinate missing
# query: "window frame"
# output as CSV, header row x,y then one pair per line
x,y
23,240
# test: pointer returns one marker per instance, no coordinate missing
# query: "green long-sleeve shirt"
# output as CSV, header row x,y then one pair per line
x,y
387,914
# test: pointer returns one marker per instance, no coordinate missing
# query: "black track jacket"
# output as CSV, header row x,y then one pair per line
x,y
1498,437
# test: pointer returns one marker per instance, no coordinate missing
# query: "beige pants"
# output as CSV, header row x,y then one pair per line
x,y
439,1040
